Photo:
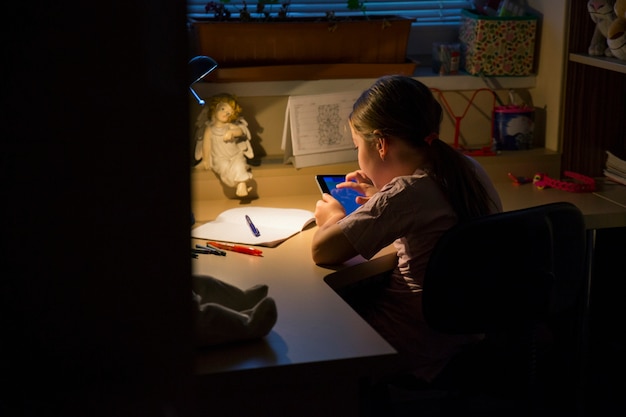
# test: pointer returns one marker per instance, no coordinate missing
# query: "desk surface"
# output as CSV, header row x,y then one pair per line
x,y
599,213
315,326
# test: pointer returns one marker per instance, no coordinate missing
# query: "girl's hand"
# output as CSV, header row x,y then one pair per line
x,y
358,181
358,176
328,210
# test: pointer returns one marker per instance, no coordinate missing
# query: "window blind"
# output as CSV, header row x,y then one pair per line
x,y
425,12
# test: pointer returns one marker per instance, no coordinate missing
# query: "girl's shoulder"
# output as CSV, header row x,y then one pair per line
x,y
410,189
408,183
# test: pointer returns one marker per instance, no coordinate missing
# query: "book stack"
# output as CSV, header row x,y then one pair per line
x,y
615,168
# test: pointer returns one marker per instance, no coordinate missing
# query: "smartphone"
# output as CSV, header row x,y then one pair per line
x,y
346,196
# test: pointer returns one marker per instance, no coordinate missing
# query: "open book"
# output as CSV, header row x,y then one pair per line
x,y
275,225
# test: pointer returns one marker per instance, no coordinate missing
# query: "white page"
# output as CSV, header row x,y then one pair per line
x,y
275,225
287,144
319,123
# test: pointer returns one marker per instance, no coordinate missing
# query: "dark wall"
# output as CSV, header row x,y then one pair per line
x,y
94,287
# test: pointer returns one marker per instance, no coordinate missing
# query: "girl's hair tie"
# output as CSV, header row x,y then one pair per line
x,y
429,139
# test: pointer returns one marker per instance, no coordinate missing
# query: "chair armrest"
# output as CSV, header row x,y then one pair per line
x,y
362,271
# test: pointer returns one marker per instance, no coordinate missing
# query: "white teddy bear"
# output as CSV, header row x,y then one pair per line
x,y
602,14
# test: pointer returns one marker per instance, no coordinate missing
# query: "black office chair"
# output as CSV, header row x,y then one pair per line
x,y
516,277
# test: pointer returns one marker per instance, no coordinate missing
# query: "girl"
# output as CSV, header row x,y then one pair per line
x,y
414,187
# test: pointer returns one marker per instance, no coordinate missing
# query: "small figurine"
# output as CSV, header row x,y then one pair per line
x,y
223,142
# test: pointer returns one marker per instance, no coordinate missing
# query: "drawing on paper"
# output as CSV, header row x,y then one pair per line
x,y
316,129
329,123
319,123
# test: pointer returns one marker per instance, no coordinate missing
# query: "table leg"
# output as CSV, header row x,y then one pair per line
x,y
584,330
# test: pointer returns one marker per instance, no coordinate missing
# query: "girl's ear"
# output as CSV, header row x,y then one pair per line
x,y
381,146
381,143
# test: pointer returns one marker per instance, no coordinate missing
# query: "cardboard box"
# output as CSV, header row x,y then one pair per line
x,y
497,46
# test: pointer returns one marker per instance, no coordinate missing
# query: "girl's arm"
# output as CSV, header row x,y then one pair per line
x,y
330,245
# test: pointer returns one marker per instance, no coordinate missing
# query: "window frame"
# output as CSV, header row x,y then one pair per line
x,y
426,29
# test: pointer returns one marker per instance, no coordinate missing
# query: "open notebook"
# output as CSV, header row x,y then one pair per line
x,y
275,225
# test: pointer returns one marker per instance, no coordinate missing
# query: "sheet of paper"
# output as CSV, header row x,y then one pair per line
x,y
316,130
274,224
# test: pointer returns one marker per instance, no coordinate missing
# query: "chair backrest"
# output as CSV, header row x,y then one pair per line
x,y
503,270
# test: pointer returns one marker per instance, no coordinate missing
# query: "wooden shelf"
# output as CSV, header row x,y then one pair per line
x,y
611,64
308,72
299,87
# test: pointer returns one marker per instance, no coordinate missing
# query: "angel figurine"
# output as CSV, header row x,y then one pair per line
x,y
223,142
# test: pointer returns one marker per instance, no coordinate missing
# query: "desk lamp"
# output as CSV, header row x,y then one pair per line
x,y
200,67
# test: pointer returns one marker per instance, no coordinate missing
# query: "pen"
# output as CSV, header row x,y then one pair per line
x,y
202,251
216,250
209,250
255,231
237,248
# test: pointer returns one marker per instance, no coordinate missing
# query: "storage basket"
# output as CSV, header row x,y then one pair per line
x,y
498,46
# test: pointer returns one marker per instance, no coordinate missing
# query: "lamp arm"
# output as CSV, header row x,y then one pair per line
x,y
200,101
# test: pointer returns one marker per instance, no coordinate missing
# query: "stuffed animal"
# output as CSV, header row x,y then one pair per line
x,y
602,14
616,36
225,313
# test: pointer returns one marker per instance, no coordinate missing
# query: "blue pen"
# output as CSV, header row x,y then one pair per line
x,y
255,231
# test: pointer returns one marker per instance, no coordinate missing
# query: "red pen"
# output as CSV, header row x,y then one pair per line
x,y
237,248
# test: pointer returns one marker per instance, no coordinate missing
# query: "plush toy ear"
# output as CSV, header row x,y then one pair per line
x,y
617,28
620,9
617,39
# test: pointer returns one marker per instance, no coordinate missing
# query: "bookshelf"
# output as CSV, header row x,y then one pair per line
x,y
610,64
594,100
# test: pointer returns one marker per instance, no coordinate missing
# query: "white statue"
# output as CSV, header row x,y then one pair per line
x,y
223,142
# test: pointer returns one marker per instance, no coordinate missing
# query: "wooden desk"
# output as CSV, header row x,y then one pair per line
x,y
311,362
599,213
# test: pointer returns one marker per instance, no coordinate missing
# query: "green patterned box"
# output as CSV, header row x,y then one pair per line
x,y
497,46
